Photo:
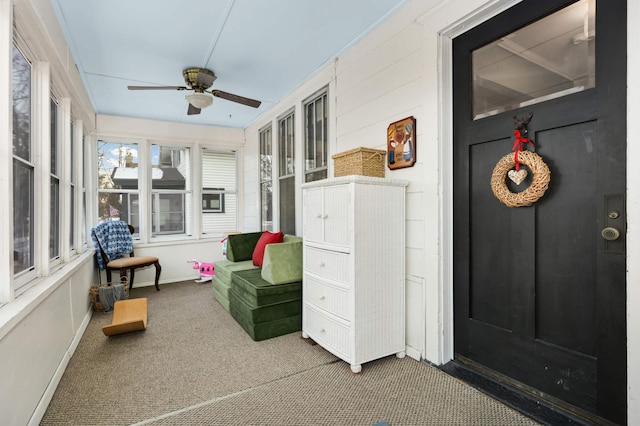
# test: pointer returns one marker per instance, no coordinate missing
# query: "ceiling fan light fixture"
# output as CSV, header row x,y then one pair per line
x,y
199,100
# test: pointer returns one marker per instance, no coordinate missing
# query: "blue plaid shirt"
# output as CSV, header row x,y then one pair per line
x,y
115,239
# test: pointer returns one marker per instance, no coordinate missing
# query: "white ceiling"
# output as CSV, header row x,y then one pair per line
x,y
257,48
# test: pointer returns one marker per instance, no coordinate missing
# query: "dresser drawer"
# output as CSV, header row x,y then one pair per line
x,y
325,296
329,264
330,333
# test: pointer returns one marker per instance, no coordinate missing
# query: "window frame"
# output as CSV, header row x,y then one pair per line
x,y
210,185
322,171
25,279
157,194
265,178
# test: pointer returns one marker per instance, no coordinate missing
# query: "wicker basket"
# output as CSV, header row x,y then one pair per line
x,y
359,161
94,293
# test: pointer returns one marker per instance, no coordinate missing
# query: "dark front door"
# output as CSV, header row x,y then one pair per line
x,y
539,293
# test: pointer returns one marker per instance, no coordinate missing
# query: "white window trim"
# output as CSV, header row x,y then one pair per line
x,y
6,152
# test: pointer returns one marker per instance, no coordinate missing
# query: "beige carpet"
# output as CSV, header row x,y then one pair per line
x,y
195,365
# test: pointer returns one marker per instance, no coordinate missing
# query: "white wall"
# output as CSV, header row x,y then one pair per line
x,y
398,70
38,334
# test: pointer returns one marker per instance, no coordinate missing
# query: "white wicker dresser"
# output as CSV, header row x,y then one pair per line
x,y
354,267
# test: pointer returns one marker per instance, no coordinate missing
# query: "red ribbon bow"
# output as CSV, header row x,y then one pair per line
x,y
517,146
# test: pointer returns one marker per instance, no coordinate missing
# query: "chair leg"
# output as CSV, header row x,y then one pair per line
x,y
158,269
108,275
123,273
133,271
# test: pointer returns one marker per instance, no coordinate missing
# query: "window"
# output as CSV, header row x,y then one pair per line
x,y
219,192
286,167
266,184
42,171
211,202
23,168
72,194
315,123
118,182
54,216
170,189
552,57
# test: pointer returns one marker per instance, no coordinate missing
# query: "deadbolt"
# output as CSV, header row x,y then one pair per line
x,y
610,234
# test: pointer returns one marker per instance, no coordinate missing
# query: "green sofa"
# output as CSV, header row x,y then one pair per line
x,y
267,301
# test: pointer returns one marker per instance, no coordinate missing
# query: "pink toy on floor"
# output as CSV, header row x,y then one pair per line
x,y
206,270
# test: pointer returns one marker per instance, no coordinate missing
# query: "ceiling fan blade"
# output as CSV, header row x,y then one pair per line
x,y
193,110
236,98
157,88
205,80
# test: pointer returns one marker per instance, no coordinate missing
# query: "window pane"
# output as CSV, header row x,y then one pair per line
x,y
83,224
286,145
54,230
54,137
219,199
287,206
117,165
23,169
170,174
170,167
72,219
21,80
316,139
22,217
117,205
552,57
168,213
266,190
54,217
266,196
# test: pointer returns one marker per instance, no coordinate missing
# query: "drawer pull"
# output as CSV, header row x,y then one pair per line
x,y
319,216
322,297
322,264
322,330
326,216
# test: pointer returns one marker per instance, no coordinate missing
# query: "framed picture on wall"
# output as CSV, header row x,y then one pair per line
x,y
401,143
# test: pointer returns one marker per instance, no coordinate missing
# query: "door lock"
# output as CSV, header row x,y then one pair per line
x,y
610,233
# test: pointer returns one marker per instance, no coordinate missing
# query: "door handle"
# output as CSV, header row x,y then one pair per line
x,y
614,224
610,233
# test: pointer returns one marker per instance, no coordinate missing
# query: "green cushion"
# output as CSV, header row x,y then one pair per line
x,y
221,281
269,329
221,296
282,262
255,290
240,246
224,268
265,313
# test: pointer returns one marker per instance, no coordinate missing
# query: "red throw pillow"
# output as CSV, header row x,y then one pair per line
x,y
266,238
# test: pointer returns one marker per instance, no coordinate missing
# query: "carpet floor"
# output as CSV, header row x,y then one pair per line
x,y
195,365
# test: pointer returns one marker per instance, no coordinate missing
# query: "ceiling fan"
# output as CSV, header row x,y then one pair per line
x,y
199,80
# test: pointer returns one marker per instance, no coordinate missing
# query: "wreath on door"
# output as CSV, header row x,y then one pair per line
x,y
509,167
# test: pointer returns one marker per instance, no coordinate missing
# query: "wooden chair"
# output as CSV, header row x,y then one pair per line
x,y
130,263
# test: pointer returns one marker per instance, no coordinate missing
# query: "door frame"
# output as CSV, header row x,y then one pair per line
x,y
445,328
445,136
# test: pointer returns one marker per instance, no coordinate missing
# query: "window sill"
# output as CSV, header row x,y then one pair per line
x,y
11,313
